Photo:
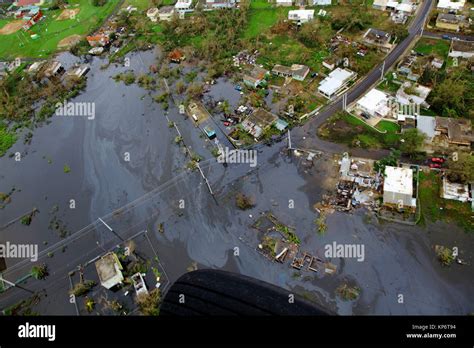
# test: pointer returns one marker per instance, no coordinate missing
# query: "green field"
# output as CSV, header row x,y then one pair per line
x,y
262,16
347,129
389,127
437,47
434,208
51,31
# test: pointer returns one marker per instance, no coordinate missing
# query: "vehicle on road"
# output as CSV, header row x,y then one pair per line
x,y
211,133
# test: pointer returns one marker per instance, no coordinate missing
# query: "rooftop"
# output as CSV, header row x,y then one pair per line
x,y
452,5
109,270
378,36
335,80
295,69
373,99
463,46
399,180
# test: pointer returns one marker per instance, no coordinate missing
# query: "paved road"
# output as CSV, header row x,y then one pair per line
x,y
439,35
308,131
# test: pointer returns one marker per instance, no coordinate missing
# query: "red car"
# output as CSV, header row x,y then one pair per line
x,y
227,123
437,160
435,165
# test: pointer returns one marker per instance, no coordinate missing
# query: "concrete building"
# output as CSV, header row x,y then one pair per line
x,y
450,21
301,16
375,103
255,77
398,188
378,38
152,13
296,71
183,6
257,122
109,270
335,82
448,5
461,49
219,4
380,4
457,131
166,13
455,191
427,126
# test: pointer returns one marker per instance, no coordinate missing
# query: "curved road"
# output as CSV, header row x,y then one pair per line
x,y
305,137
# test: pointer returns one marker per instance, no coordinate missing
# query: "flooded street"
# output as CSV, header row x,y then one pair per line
x,y
127,169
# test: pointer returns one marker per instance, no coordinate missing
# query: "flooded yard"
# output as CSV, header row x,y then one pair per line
x,y
126,168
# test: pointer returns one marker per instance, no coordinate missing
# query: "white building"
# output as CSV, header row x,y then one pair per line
x,y
449,5
321,2
183,6
152,13
375,103
380,4
398,187
165,13
217,4
401,7
301,16
284,2
427,126
335,82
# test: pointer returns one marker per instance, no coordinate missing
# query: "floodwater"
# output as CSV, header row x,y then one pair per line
x,y
126,168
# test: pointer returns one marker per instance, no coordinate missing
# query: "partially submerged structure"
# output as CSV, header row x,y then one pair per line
x,y
109,270
258,122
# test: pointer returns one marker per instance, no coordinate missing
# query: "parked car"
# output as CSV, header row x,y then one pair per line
x,y
366,116
437,160
446,37
238,88
435,165
315,74
227,123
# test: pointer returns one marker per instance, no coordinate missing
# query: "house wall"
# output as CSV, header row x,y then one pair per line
x,y
449,26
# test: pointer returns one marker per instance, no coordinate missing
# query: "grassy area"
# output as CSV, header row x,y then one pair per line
x,y
437,47
434,208
7,139
52,31
347,129
388,84
261,17
389,127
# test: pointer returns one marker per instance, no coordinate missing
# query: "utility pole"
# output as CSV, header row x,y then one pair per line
x,y
383,70
15,285
111,230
